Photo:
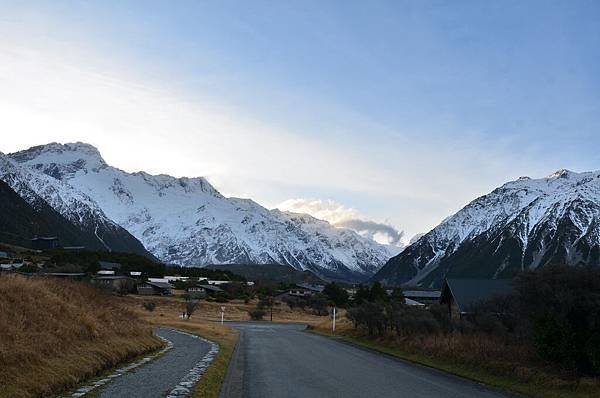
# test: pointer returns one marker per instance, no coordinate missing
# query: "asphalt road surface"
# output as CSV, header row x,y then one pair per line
x,y
275,360
160,376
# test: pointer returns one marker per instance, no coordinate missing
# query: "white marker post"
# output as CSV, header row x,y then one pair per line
x,y
222,314
333,319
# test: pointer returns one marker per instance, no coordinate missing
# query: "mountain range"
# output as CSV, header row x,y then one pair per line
x,y
56,208
524,224
183,221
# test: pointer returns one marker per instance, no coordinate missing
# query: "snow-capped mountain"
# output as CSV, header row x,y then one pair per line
x,y
527,223
96,230
187,221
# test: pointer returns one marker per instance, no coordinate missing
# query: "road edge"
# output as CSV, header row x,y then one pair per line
x,y
447,372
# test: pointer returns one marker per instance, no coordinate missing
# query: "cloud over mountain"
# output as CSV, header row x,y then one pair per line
x,y
345,217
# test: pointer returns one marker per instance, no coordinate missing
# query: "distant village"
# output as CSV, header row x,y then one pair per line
x,y
458,295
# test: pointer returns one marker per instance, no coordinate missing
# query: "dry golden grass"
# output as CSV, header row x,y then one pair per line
x,y
235,310
56,333
487,359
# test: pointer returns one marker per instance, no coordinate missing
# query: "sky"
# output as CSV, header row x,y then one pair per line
x,y
381,116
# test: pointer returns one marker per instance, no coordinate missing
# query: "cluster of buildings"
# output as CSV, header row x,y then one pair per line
x,y
133,282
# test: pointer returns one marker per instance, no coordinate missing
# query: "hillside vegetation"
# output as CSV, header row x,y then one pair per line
x,y
56,333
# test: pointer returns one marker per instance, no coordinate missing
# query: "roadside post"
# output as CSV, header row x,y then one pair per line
x,y
222,314
333,321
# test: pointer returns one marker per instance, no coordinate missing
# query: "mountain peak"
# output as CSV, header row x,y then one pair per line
x,y
77,153
562,173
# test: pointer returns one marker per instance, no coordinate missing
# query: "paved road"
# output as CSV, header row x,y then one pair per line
x,y
159,377
284,361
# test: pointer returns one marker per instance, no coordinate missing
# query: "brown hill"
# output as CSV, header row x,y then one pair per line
x,y
56,333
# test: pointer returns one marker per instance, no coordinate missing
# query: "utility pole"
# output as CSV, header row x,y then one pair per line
x,y
271,302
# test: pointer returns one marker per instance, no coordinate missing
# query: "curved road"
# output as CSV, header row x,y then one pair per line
x,y
276,360
159,377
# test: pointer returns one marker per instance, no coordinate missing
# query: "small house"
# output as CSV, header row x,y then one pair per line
x,y
105,272
413,303
210,289
299,292
115,283
45,242
3,255
460,295
424,296
108,266
151,288
196,292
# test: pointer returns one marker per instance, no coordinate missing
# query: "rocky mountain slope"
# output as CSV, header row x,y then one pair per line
x,y
527,223
187,221
45,193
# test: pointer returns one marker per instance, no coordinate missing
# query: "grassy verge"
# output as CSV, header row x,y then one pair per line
x,y
541,385
54,334
167,313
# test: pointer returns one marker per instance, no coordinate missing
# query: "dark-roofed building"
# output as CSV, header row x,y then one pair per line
x,y
45,242
423,296
115,283
460,295
154,288
203,290
105,265
311,288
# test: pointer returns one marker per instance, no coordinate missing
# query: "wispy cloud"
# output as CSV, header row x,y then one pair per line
x,y
345,217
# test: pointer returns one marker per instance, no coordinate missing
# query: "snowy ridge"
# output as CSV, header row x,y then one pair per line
x,y
187,221
523,224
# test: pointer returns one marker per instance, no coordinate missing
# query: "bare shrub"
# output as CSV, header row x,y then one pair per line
x,y
149,305
190,307
256,314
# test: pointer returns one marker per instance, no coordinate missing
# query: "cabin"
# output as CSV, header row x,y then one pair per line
x,y
3,255
460,295
108,268
311,288
210,290
299,292
196,292
423,296
115,283
413,303
45,242
202,291
150,288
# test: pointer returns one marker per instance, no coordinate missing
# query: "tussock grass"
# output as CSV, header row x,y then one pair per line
x,y
56,333
480,357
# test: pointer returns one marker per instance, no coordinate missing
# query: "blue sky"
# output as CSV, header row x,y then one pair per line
x,y
398,112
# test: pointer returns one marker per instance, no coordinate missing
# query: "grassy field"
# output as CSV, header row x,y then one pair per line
x,y
472,357
235,310
55,333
